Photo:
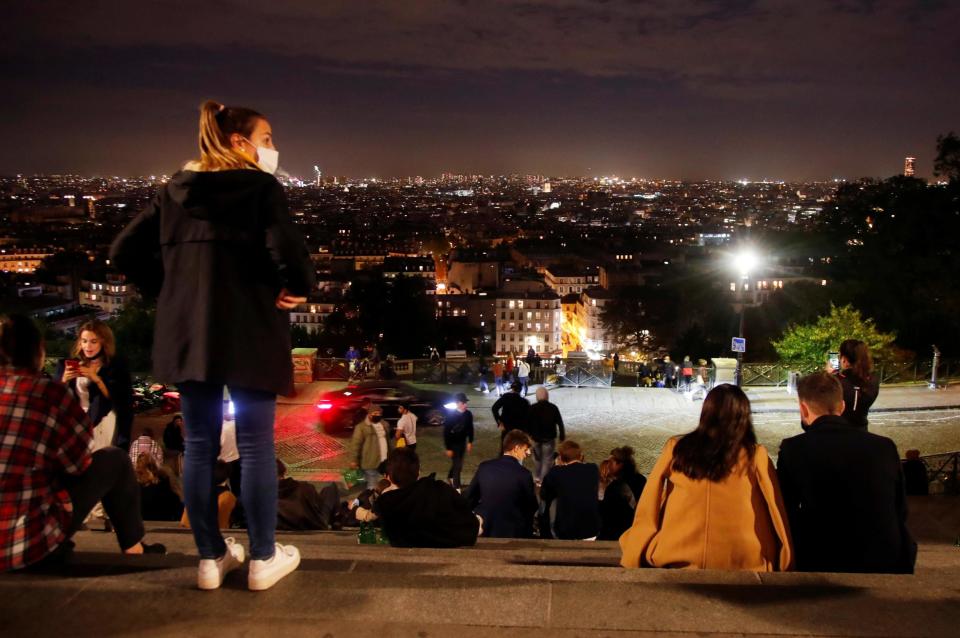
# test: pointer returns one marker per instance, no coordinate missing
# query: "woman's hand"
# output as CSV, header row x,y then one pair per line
x,y
91,371
69,374
286,301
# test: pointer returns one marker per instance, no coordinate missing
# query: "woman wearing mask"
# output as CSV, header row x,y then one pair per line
x,y
712,500
860,385
99,379
370,444
218,246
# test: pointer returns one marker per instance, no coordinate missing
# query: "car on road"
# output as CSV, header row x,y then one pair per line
x,y
338,411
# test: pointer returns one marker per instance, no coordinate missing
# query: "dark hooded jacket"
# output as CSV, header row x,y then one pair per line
x,y
217,248
428,513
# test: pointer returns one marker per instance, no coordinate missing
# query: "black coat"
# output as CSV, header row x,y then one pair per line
x,y
117,379
844,493
617,510
575,488
218,247
546,422
502,493
301,507
858,396
513,411
428,513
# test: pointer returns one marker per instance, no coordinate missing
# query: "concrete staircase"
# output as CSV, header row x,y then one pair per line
x,y
501,587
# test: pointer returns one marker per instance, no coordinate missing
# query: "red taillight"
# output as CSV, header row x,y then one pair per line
x,y
326,405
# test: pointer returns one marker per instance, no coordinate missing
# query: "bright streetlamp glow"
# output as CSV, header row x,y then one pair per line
x,y
746,261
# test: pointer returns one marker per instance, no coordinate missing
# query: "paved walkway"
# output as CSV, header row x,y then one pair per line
x,y
644,418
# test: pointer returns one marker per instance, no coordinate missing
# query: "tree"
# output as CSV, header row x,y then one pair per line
x,y
809,343
133,332
947,162
640,318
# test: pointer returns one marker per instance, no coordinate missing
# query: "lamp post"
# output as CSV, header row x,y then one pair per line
x,y
745,261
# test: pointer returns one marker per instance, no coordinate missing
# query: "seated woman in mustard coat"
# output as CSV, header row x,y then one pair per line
x,y
712,501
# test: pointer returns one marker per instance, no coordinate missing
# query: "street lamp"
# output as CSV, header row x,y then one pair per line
x,y
744,262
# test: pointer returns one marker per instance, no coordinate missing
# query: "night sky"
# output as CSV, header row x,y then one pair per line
x,y
662,89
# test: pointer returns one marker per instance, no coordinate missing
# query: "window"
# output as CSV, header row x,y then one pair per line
x,y
520,304
733,286
503,315
512,305
529,315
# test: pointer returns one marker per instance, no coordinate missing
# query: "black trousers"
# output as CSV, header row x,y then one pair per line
x,y
109,479
456,467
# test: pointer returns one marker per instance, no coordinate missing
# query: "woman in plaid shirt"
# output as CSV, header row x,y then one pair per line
x,y
49,480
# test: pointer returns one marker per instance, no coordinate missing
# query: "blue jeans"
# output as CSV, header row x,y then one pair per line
x,y
543,452
372,477
203,421
523,384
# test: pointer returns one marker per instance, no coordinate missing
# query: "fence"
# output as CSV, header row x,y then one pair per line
x,y
776,374
943,471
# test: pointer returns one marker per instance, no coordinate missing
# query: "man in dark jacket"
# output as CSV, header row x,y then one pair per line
x,y
301,507
423,512
843,489
458,438
575,487
512,411
502,491
545,424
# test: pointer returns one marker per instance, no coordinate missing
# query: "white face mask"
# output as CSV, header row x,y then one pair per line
x,y
269,159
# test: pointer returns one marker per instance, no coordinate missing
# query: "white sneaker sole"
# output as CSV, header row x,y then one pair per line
x,y
266,581
211,579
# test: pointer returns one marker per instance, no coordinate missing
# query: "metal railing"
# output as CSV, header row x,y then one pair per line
x,y
943,472
467,371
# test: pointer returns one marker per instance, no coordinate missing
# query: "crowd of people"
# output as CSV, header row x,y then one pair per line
x,y
218,248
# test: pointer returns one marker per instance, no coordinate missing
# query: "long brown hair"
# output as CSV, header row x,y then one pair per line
x,y
713,449
217,124
858,354
146,469
108,345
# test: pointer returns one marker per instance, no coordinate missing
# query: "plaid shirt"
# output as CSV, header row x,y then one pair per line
x,y
148,445
43,433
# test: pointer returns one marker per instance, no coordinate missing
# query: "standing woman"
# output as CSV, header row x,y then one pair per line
x,y
100,381
712,500
860,385
218,246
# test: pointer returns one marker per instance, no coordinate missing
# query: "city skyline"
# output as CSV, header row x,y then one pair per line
x,y
691,90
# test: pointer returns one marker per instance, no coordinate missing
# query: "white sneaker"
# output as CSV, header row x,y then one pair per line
x,y
264,574
211,572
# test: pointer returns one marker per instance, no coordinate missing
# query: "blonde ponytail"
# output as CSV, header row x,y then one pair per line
x,y
217,124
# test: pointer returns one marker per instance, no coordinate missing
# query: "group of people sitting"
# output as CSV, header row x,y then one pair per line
x,y
835,501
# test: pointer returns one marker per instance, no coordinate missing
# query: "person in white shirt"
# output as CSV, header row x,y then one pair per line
x,y
407,427
523,375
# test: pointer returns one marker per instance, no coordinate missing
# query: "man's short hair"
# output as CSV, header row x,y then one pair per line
x,y
403,466
515,386
570,451
821,391
515,439
20,343
147,432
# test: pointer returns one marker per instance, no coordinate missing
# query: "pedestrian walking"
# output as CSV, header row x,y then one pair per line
x,y
546,425
458,438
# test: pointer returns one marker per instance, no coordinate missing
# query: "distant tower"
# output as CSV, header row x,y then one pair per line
x,y
547,188
316,170
908,166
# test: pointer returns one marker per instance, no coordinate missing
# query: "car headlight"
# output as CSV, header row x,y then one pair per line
x,y
450,406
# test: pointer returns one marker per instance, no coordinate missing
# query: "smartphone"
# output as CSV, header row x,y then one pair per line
x,y
834,359
72,364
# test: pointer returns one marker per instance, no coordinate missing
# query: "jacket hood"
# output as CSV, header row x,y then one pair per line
x,y
213,195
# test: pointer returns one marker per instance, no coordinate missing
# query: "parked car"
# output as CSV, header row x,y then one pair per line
x,y
338,411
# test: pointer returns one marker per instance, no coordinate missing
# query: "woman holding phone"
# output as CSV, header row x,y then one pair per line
x,y
99,379
218,246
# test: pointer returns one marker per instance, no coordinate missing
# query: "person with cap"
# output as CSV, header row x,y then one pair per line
x,y
458,438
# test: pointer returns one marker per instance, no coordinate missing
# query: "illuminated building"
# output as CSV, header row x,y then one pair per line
x,y
909,166
526,320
